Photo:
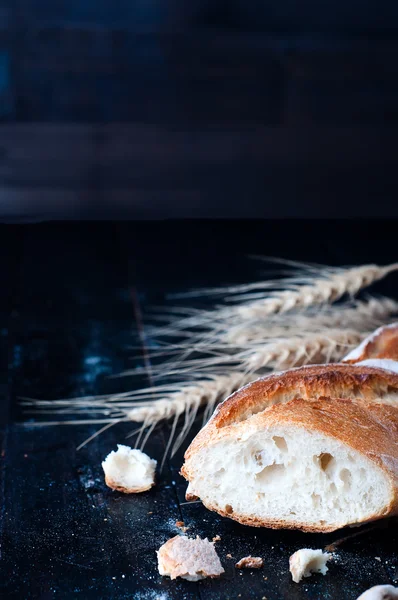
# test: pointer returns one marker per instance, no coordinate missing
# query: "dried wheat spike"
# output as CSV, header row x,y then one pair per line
x,y
361,316
317,348
320,291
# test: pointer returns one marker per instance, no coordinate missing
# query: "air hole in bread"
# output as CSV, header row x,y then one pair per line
x,y
345,476
258,458
280,443
324,460
316,500
271,473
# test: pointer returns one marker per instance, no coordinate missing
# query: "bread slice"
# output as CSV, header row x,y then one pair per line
x,y
313,448
380,592
191,559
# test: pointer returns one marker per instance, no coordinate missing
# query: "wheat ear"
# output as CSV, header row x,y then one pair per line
x,y
317,348
321,291
285,353
321,285
362,316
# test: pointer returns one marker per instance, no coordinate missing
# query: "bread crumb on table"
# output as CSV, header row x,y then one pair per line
x,y
250,562
129,471
304,562
229,555
188,558
181,525
217,538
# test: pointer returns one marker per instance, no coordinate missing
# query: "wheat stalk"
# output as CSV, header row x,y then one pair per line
x,y
275,341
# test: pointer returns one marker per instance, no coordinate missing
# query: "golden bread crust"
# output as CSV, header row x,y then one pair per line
x,y
119,488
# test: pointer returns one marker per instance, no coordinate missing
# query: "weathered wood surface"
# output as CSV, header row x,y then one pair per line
x,y
68,318
146,171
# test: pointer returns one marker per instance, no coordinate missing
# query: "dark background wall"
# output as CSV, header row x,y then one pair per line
x,y
158,108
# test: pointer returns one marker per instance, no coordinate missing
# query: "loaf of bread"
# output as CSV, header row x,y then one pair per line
x,y
378,350
313,448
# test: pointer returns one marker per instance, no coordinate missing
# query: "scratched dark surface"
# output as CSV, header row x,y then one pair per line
x,y
73,300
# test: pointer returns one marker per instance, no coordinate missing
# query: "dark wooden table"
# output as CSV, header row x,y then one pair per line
x,y
73,302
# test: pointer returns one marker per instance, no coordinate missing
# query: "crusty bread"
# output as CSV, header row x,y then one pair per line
x,y
191,559
380,592
312,448
381,344
306,561
129,471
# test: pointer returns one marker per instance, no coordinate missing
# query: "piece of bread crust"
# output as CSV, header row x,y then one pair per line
x,y
335,380
250,562
191,559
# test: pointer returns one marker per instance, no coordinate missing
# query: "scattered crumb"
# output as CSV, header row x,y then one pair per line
x,y
129,471
378,558
216,538
123,576
25,456
265,578
229,555
181,525
250,562
150,512
105,519
304,562
191,559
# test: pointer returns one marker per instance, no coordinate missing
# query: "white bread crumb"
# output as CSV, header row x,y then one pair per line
x,y
304,562
380,592
191,559
129,471
250,562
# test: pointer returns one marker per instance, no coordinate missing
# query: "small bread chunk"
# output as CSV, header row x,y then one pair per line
x,y
250,562
129,471
304,562
191,559
380,592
